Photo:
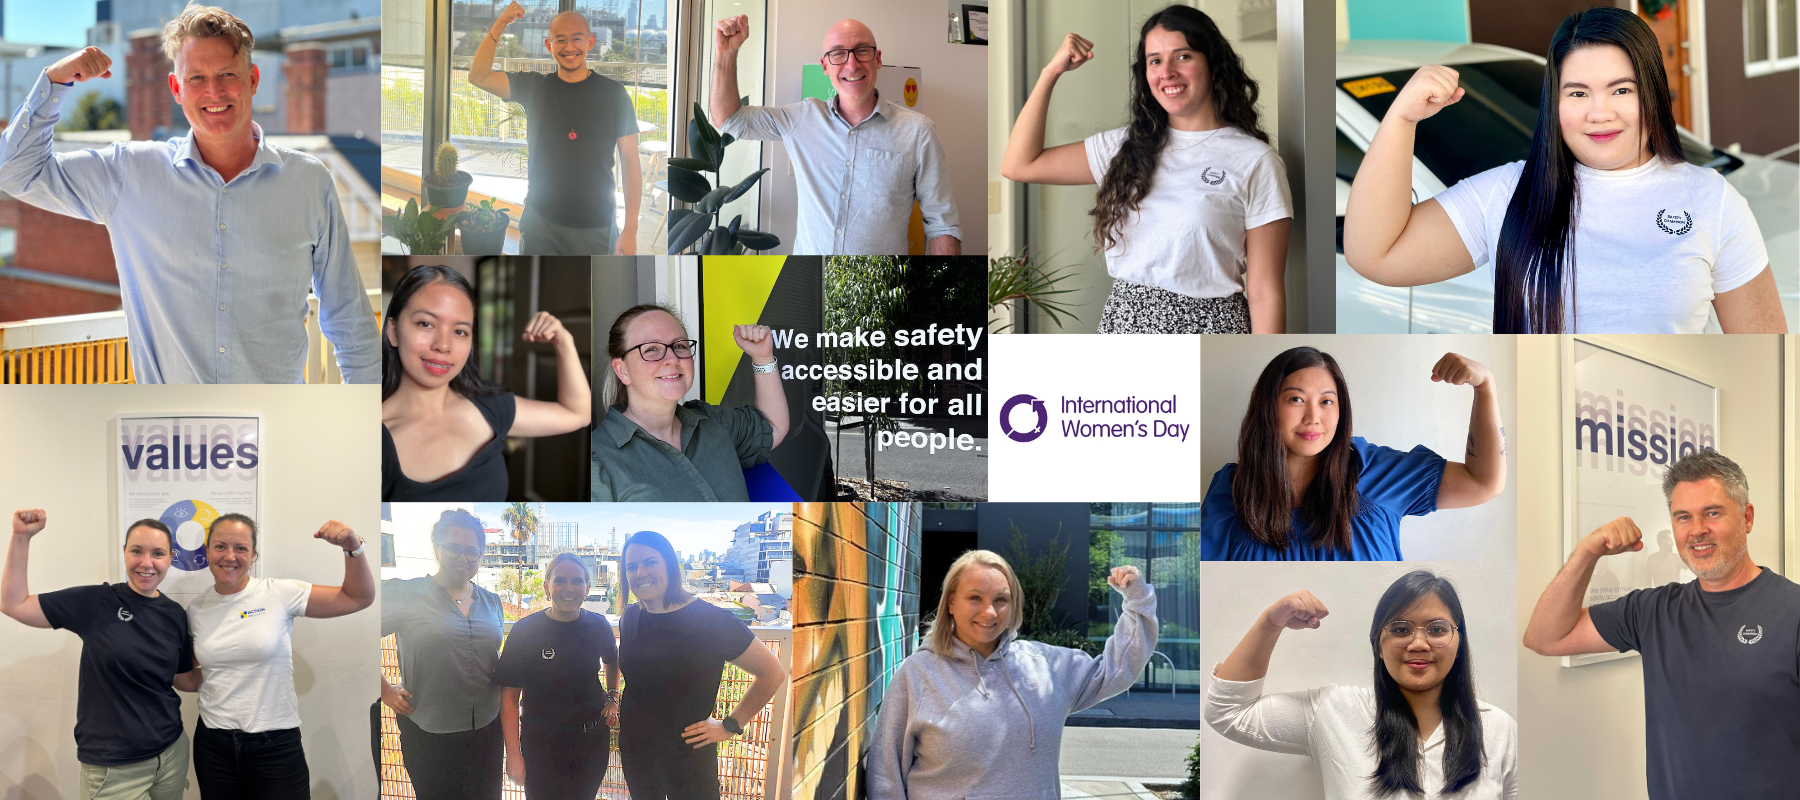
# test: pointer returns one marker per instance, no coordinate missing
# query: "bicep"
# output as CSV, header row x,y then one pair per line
x,y
1460,488
30,612
540,418
1754,307
1428,250
1583,639
325,602
1062,165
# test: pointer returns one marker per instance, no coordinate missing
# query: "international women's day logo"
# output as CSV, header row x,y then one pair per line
x,y
1121,418
1037,407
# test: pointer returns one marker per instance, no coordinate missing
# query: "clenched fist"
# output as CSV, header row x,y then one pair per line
x,y
339,534
1074,52
1460,371
512,13
756,342
82,65
1615,537
1122,577
1296,611
730,34
1430,90
28,521
542,327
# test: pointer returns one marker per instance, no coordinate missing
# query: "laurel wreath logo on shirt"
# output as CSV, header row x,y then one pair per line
x,y
1206,176
549,653
1667,221
1749,635
124,616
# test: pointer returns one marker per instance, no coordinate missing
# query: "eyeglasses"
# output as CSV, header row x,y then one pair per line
x,y
1437,632
468,553
843,56
657,351
578,40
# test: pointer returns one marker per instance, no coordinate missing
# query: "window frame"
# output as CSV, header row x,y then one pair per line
x,y
1771,34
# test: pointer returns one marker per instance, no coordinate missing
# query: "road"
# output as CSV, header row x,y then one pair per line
x,y
964,473
1157,754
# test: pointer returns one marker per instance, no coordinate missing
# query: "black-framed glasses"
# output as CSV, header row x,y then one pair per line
x,y
1437,632
657,351
835,57
466,553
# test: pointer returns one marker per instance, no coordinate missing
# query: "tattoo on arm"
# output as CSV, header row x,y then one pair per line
x,y
1502,440
1469,450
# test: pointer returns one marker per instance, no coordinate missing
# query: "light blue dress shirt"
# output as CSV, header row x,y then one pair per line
x,y
213,274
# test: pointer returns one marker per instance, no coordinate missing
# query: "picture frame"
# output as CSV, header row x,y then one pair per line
x,y
974,24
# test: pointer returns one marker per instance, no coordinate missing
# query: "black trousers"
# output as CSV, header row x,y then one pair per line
x,y
660,766
565,765
232,764
452,766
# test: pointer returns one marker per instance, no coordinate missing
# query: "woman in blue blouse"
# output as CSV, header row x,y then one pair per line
x,y
1305,489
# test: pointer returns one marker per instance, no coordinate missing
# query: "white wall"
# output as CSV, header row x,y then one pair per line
x,y
953,93
1394,403
320,461
1581,730
1233,594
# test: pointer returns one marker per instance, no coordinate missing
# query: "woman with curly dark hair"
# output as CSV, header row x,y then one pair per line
x,y
1193,208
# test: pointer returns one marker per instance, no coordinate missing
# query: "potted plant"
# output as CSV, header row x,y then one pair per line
x,y
423,232
446,186
484,229
1018,278
699,227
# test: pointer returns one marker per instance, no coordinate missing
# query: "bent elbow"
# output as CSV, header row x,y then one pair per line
x,y
1010,171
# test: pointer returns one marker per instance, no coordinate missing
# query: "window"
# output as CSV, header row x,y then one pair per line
x,y
1771,37
1163,541
387,548
350,56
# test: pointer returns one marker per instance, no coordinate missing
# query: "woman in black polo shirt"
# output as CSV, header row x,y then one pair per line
x,y
447,631
128,734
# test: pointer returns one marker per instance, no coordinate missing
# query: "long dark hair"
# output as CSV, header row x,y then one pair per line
x,y
1396,730
1234,92
1534,273
1260,490
467,381
615,348
655,541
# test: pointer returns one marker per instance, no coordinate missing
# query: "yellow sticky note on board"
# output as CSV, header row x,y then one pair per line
x,y
1360,89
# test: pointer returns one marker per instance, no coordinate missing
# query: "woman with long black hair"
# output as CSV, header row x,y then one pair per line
x,y
1604,227
673,649
442,426
1419,731
1306,489
1193,208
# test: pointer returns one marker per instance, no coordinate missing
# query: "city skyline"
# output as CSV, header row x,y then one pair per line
x,y
691,528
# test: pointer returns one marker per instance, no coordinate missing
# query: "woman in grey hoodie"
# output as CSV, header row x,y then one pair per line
x,y
978,712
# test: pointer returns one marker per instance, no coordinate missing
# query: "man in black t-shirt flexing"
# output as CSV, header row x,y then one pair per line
x,y
574,119
1721,654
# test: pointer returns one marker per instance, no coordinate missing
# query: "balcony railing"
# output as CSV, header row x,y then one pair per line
x,y
753,766
92,348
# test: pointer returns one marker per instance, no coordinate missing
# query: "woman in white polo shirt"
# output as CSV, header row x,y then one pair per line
x,y
1193,207
247,740
1603,228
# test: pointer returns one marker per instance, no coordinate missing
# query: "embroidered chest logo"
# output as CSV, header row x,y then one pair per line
x,y
549,653
124,616
1674,224
1212,177
1749,635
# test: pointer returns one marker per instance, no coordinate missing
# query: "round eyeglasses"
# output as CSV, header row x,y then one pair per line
x,y
1437,632
657,351
835,57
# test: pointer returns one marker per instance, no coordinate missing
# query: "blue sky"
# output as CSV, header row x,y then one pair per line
x,y
691,527
63,23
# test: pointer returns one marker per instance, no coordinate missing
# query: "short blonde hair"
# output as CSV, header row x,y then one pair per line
x,y
206,22
941,635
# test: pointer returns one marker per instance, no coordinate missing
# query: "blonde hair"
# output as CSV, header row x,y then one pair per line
x,y
587,577
206,22
941,634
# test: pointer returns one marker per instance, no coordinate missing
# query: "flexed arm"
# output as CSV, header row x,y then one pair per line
x,y
729,36
358,591
1235,705
1249,661
1129,647
571,409
81,184
757,343
16,599
481,67
1559,625
1386,238
1482,474
1026,160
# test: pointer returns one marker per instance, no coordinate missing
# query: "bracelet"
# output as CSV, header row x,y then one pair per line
x,y
763,369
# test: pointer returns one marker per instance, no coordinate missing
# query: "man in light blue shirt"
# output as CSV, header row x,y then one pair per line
x,y
218,235
859,160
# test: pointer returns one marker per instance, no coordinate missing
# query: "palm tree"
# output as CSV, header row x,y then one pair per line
x,y
522,519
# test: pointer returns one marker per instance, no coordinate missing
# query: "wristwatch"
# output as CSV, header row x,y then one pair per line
x,y
731,724
357,553
764,369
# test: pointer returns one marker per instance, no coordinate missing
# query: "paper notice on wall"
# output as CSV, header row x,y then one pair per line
x,y
187,471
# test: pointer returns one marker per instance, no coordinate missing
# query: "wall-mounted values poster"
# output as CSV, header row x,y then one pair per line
x,y
1626,419
187,471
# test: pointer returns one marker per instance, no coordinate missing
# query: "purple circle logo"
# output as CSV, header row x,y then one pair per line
x,y
1043,418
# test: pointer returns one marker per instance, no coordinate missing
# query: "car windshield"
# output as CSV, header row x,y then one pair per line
x,y
1490,126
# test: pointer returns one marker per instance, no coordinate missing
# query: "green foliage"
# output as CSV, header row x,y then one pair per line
x,y
423,233
1065,637
1190,788
485,218
522,519
698,227
1040,577
444,163
93,112
1101,546
1019,278
651,105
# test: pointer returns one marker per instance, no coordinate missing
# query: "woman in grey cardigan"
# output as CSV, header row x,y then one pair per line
x,y
979,712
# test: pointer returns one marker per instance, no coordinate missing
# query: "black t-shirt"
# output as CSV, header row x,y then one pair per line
x,y
483,479
132,647
1721,685
558,666
571,178
673,662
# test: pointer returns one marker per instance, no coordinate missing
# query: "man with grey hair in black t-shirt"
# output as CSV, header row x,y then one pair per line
x,y
1721,653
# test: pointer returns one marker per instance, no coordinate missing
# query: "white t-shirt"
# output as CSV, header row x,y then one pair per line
x,y
1209,188
244,643
1653,244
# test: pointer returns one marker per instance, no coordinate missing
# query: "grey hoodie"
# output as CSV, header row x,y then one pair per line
x,y
963,726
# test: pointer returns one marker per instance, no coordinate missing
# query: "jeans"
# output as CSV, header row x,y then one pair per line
x,y
232,764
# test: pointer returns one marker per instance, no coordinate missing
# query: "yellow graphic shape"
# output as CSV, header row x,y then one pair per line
x,y
912,92
733,291
1360,89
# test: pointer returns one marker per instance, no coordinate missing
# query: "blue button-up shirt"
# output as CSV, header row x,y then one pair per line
x,y
214,274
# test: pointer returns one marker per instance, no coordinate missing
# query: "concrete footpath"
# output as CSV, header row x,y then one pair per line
x,y
1118,762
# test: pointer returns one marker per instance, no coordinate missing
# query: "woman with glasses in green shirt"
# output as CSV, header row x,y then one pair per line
x,y
651,446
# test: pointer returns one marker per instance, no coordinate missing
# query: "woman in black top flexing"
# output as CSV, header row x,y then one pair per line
x,y
673,651
442,426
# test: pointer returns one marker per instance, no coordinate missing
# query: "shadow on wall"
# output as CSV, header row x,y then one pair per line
x,y
856,617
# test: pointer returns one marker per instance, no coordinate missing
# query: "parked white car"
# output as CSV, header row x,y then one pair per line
x,y
1492,126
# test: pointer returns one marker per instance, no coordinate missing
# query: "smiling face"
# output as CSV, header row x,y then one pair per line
x,y
853,79
147,559
570,40
1307,411
981,606
214,84
567,586
1597,109
647,572
454,550
1178,75
1415,663
433,334
230,552
653,383
1712,533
